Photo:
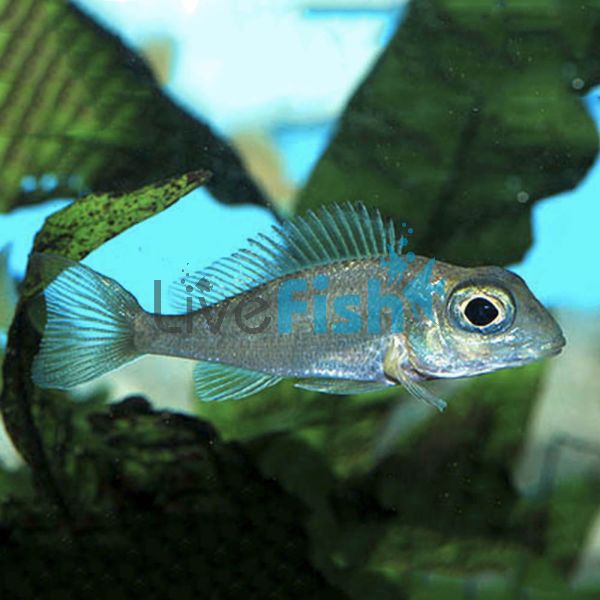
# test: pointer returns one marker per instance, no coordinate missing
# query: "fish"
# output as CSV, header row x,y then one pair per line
x,y
330,299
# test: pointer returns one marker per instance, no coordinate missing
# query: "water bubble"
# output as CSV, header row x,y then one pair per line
x,y
577,83
522,197
410,230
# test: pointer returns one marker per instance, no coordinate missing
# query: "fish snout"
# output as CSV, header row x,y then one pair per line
x,y
554,346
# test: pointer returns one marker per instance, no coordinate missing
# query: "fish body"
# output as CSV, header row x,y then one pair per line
x,y
329,300
258,343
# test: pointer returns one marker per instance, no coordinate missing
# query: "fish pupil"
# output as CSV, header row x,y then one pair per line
x,y
480,312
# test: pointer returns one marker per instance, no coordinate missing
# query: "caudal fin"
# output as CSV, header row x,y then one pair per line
x,y
89,324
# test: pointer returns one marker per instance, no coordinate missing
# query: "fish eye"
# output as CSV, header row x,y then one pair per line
x,y
482,308
480,311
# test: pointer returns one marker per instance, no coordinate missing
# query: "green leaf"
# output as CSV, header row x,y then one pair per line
x,y
81,110
572,511
471,115
8,291
36,419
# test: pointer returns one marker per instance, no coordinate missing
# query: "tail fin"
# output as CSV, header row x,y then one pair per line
x,y
89,324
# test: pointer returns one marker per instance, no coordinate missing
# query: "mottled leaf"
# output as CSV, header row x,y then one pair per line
x,y
33,417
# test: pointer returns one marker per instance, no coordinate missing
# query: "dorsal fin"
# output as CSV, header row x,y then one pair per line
x,y
334,233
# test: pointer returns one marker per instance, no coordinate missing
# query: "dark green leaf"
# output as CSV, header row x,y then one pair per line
x,y
79,111
471,115
167,510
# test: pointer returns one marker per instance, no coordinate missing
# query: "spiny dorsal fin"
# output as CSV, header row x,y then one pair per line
x,y
333,233
214,381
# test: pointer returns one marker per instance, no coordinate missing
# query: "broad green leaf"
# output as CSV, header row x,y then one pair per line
x,y
472,114
80,112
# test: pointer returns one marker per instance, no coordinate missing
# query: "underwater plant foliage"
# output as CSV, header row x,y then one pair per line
x,y
440,505
75,231
284,495
82,112
164,507
475,109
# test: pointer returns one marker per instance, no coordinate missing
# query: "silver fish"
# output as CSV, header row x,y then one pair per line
x,y
328,299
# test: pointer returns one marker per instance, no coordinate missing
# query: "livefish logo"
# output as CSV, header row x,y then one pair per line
x,y
342,314
418,294
397,262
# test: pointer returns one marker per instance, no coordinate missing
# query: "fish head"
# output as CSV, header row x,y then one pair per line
x,y
483,319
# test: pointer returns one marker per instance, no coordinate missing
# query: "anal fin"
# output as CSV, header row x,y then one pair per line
x,y
214,381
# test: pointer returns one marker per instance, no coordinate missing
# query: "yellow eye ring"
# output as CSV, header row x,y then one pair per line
x,y
481,308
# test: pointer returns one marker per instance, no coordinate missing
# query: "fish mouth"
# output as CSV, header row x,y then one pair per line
x,y
528,354
535,353
552,348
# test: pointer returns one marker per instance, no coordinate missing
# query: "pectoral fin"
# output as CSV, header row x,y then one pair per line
x,y
421,392
392,367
